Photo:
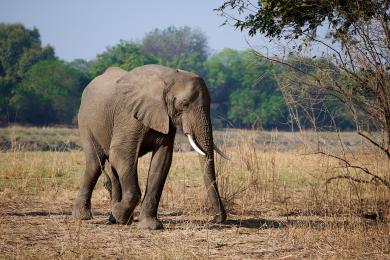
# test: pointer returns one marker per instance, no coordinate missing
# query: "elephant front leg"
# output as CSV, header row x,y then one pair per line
x,y
212,189
158,171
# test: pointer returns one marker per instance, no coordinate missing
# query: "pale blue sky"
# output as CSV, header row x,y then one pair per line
x,y
83,28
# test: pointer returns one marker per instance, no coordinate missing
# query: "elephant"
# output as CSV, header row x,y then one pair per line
x,y
124,115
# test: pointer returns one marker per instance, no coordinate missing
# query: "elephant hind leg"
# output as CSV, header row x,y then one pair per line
x,y
123,156
95,160
126,193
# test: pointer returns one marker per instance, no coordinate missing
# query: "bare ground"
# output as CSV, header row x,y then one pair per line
x,y
38,229
279,203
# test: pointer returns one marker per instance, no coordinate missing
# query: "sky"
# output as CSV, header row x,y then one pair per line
x,y
84,28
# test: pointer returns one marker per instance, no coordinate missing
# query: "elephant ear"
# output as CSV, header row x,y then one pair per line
x,y
143,93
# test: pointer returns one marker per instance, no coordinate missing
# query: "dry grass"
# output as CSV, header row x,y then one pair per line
x,y
275,190
38,139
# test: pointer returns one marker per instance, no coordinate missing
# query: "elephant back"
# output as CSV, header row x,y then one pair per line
x,y
102,87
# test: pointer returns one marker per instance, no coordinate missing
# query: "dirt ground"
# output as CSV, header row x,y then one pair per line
x,y
42,230
279,204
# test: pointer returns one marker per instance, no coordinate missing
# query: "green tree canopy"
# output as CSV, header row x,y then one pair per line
x,y
292,19
20,48
258,102
255,108
183,47
49,94
83,66
224,72
348,86
37,88
125,55
243,89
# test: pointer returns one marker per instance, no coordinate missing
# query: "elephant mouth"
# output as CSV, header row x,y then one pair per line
x,y
198,150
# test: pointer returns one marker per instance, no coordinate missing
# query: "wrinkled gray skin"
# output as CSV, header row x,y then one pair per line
x,y
124,115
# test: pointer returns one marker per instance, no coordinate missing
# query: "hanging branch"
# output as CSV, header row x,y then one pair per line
x,y
363,169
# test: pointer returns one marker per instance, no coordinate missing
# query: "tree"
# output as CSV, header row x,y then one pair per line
x,y
242,87
49,94
125,55
20,48
258,102
293,19
253,108
183,47
223,76
309,106
84,67
358,47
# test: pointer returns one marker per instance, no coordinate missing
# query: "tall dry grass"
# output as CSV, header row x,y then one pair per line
x,y
274,187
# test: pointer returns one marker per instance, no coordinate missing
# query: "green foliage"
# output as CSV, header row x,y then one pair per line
x,y
244,89
243,110
292,19
50,93
311,105
183,47
84,67
256,108
125,55
37,88
314,89
20,48
222,78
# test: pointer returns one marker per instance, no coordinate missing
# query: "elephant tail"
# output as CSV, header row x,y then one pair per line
x,y
113,185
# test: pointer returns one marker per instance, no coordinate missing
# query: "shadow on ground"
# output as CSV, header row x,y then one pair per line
x,y
261,223
42,213
252,223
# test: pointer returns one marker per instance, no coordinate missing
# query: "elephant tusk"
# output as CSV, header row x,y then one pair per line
x,y
196,148
221,153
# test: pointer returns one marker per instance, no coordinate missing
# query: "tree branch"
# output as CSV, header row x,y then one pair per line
x,y
364,169
386,151
346,177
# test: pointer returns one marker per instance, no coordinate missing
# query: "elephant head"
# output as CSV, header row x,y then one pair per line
x,y
163,98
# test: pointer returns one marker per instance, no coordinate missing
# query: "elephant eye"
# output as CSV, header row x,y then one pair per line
x,y
185,103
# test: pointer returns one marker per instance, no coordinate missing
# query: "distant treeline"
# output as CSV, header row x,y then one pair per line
x,y
38,88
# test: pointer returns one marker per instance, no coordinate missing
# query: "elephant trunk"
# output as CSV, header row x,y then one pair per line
x,y
204,138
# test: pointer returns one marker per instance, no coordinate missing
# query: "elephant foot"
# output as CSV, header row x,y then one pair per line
x,y
81,211
121,221
150,223
219,218
120,215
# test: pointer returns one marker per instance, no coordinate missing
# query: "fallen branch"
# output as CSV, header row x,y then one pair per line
x,y
347,177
